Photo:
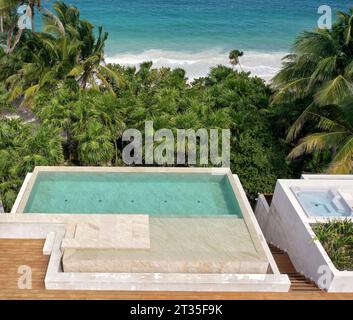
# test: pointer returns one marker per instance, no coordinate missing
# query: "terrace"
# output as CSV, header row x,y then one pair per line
x,y
148,229
16,252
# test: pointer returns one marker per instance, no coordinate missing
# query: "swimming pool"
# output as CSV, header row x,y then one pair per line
x,y
322,202
153,193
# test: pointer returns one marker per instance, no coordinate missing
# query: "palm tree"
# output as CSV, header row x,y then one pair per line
x,y
92,70
67,48
319,73
234,56
8,21
5,10
320,69
94,144
9,17
33,4
335,134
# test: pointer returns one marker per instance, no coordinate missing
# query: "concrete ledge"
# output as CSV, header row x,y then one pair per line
x,y
49,243
168,282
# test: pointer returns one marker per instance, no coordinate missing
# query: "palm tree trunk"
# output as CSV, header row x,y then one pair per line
x,y
17,39
32,22
9,39
238,63
31,4
2,22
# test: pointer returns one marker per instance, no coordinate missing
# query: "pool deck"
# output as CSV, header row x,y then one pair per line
x,y
179,245
17,252
203,253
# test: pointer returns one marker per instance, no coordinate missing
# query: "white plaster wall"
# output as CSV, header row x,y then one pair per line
x,y
262,211
342,282
286,228
327,176
288,232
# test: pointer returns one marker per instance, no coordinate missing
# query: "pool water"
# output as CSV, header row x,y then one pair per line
x,y
132,193
323,203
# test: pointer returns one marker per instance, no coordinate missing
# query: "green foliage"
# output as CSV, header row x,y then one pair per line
x,y
337,239
84,127
66,48
22,147
317,79
4,103
82,106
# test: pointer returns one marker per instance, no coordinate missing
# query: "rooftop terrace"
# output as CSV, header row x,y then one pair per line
x,y
16,252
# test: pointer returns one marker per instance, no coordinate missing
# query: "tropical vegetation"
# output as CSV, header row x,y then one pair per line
x,y
336,237
76,106
317,79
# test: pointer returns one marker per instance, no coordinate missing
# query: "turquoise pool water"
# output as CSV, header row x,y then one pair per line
x,y
132,193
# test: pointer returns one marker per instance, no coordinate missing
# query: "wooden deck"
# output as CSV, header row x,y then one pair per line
x,y
14,253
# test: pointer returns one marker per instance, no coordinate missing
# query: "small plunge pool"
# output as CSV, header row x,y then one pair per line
x,y
322,202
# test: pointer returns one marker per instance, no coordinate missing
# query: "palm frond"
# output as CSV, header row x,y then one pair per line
x,y
325,70
50,21
29,93
319,43
115,75
334,92
297,126
342,161
326,124
292,90
317,142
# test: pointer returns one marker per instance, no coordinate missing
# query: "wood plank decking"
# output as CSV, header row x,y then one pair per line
x,y
14,253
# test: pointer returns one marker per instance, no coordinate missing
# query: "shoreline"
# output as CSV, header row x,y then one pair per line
x,y
262,64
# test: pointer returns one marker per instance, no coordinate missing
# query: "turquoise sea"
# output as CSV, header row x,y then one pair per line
x,y
196,34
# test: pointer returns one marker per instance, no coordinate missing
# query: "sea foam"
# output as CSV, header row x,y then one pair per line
x,y
262,64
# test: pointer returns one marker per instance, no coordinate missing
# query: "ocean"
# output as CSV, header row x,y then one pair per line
x,y
198,34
